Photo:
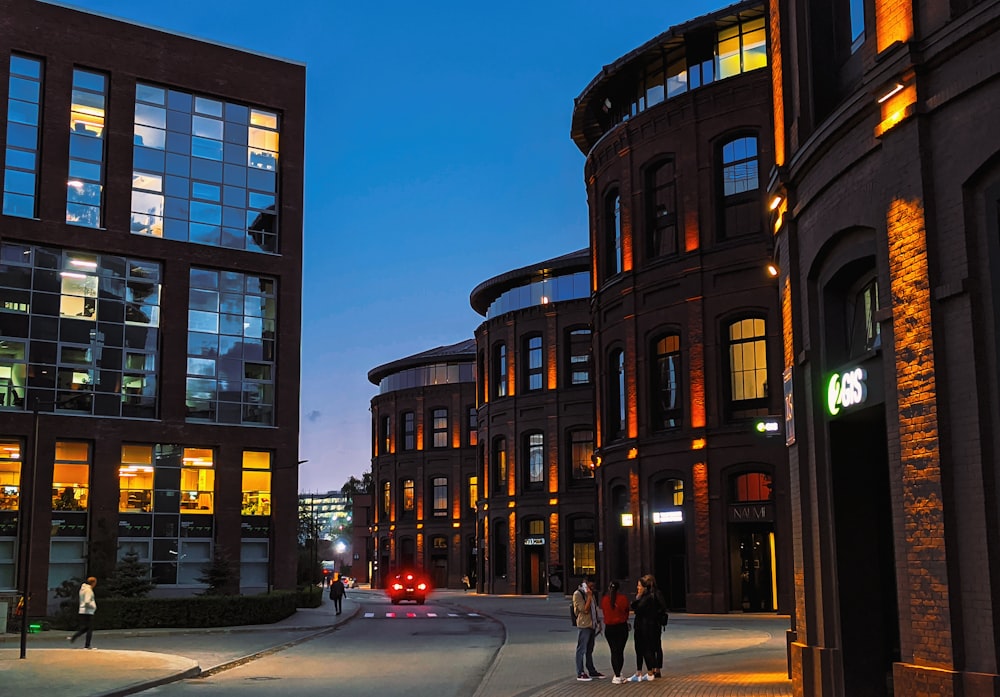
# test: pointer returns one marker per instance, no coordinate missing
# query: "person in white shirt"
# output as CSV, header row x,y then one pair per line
x,y
88,606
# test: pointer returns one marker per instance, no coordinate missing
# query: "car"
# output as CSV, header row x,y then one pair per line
x,y
350,582
408,585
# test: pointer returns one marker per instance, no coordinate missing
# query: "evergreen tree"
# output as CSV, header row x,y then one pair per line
x,y
218,575
130,579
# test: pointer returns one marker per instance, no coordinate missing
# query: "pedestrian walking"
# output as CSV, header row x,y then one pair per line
x,y
588,623
88,606
337,593
615,607
648,607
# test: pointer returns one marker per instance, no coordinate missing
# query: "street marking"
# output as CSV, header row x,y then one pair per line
x,y
369,614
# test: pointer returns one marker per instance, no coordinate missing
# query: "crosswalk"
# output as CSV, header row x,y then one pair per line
x,y
412,614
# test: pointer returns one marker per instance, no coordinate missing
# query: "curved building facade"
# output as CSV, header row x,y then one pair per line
x,y
424,435
687,333
537,524
887,192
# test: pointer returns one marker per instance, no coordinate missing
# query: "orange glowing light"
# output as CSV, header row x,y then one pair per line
x,y
512,504
630,381
696,340
896,107
633,453
893,22
553,502
698,444
691,231
552,360
777,82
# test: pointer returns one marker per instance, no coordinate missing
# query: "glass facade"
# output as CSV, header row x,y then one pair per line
x,y
79,331
85,187
231,359
547,290
204,170
24,97
422,376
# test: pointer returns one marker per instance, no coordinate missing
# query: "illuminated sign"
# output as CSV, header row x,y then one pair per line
x,y
668,516
769,427
846,390
532,541
626,520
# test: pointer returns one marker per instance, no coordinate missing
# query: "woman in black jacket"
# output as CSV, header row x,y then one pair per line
x,y
647,606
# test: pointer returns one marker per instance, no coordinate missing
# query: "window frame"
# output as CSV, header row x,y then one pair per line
x,y
751,406
532,375
533,450
616,413
663,418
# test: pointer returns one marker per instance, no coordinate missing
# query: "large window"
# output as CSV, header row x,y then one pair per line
x,y
742,48
135,479
204,170
71,476
498,372
93,328
661,210
752,487
10,475
256,482
408,424
232,319
386,500
85,188
385,436
617,411
472,427
581,454
741,201
613,234
583,539
439,428
533,372
499,458
534,451
666,387
748,367
409,496
198,481
24,99
439,489
578,370
472,489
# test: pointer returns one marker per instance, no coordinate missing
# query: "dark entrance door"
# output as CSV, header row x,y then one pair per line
x,y
534,582
866,571
751,569
670,563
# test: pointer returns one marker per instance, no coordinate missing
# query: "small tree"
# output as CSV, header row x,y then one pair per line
x,y
218,575
130,579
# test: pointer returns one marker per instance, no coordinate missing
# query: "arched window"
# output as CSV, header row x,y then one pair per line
x,y
668,501
748,368
534,459
661,210
666,382
613,234
616,417
752,487
742,209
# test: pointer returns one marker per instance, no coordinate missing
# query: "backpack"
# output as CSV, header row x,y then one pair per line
x,y
572,609
663,616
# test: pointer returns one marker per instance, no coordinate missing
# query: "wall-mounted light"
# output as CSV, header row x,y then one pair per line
x,y
892,92
698,444
772,269
775,202
626,520
633,453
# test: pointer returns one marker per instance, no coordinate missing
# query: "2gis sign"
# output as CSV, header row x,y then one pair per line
x,y
846,390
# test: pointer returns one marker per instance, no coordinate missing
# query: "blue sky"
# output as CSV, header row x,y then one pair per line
x,y
437,156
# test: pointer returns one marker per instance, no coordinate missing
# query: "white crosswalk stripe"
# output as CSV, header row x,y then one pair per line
x,y
416,615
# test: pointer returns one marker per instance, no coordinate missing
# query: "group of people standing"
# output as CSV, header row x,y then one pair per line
x,y
610,615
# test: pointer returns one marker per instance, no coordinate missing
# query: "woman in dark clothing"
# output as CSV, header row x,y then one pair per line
x,y
647,606
615,606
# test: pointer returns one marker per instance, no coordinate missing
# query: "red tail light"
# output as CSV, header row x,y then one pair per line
x,y
422,586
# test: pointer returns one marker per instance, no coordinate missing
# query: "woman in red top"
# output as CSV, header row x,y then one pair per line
x,y
615,607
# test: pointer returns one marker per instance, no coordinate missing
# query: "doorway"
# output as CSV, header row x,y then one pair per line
x,y
670,563
534,571
751,562
866,568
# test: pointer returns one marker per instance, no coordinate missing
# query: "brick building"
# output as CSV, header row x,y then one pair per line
x,y
886,192
537,514
424,436
150,275
687,353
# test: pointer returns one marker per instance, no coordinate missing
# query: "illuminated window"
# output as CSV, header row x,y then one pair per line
x,y
534,451
532,374
752,487
256,483
13,373
409,495
385,436
668,493
135,479
584,546
85,187
439,491
499,487
613,263
71,476
666,388
579,357
198,481
473,489
661,210
204,170
617,417
24,96
581,450
748,367
536,527
386,499
498,375
439,428
742,209
10,475
408,423
742,48
232,322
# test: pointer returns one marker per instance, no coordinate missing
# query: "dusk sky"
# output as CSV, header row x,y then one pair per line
x,y
438,155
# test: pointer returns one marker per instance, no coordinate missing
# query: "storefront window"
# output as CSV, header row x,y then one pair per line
x,y
135,479
71,476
